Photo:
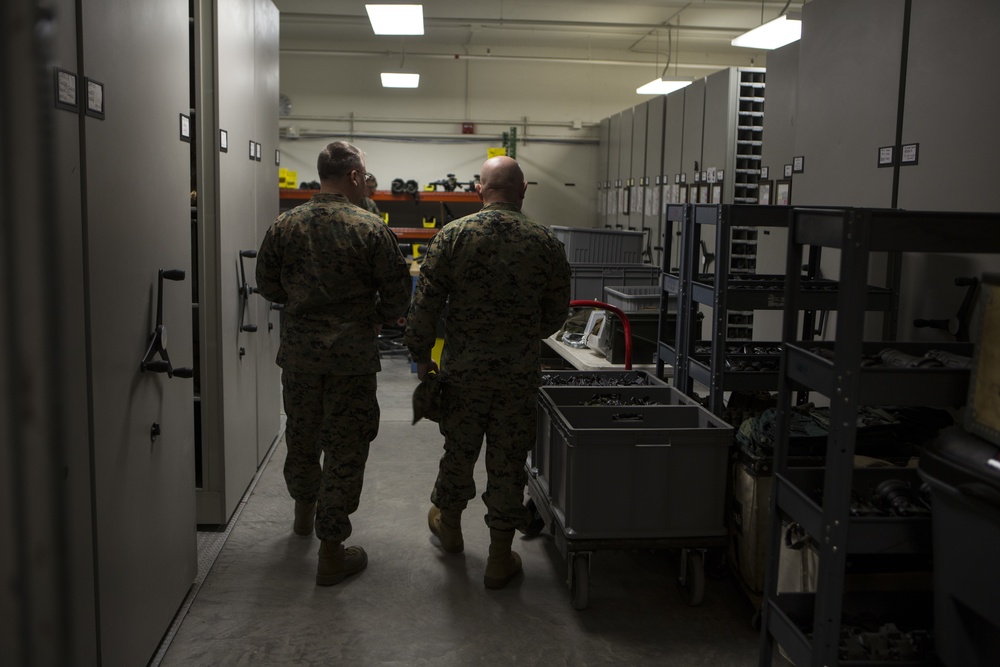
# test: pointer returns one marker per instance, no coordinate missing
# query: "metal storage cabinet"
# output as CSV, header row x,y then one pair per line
x,y
614,179
652,209
637,169
624,172
849,61
857,233
268,376
236,92
673,142
603,151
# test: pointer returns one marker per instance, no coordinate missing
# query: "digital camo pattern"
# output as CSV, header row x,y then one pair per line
x,y
369,204
339,272
337,417
506,281
507,419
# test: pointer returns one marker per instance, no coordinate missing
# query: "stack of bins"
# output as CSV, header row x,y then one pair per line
x,y
628,475
604,257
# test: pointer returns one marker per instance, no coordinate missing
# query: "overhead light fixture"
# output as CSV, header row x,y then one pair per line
x,y
772,35
664,85
396,19
400,80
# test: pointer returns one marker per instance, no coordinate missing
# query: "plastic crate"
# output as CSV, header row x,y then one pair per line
x,y
587,281
638,299
605,246
645,472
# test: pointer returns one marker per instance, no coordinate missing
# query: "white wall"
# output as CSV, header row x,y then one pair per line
x,y
416,134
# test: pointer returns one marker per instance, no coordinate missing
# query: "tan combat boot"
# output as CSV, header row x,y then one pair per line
x,y
447,525
305,515
336,562
503,564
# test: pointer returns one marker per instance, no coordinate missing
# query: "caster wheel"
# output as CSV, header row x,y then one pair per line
x,y
537,524
692,584
579,587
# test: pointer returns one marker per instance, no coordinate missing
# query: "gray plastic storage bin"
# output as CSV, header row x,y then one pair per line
x,y
643,298
587,281
644,472
604,246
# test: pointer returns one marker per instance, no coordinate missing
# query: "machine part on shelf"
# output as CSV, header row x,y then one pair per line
x,y
957,326
949,359
887,643
895,497
510,142
397,187
309,185
449,184
158,339
899,359
595,380
412,187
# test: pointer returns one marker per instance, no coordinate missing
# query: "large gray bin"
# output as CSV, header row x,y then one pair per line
x,y
600,246
646,472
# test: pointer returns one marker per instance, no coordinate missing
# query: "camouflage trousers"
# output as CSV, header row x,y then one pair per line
x,y
335,416
506,417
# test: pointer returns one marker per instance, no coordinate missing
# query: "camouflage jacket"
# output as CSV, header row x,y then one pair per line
x,y
369,204
339,272
506,283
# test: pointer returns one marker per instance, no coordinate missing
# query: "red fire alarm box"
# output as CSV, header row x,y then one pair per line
x,y
468,128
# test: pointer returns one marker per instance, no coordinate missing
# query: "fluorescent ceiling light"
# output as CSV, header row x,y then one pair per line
x,y
400,80
663,85
396,19
773,34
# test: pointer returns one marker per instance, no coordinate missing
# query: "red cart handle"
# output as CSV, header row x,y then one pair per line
x,y
622,316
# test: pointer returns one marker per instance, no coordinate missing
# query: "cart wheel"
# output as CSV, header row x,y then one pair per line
x,y
579,586
537,523
692,582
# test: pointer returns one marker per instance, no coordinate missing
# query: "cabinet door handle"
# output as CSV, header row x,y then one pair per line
x,y
245,291
158,339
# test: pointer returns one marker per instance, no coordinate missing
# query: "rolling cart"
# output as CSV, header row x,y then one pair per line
x,y
627,468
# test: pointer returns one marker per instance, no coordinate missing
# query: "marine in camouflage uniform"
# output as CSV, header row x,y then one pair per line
x,y
506,281
339,272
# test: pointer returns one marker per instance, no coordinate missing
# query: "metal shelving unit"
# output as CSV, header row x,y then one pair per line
x,y
727,291
808,625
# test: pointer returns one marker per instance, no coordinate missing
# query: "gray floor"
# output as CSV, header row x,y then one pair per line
x,y
416,605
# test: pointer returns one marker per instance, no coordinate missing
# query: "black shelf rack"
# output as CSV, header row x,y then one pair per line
x,y
808,625
727,290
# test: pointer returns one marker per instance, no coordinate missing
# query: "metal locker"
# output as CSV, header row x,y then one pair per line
x,y
136,224
231,330
637,168
603,150
652,205
266,210
847,102
673,143
624,168
614,182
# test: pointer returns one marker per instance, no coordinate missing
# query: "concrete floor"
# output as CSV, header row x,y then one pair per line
x,y
416,605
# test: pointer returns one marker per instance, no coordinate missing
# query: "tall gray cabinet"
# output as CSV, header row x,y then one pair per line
x,y
239,389
120,511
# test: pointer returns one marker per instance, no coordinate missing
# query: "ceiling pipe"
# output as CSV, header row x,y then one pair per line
x,y
462,56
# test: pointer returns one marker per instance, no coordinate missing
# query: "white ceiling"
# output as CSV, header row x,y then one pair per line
x,y
692,36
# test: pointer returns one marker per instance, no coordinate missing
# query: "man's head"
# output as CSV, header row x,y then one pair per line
x,y
501,180
371,184
341,168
